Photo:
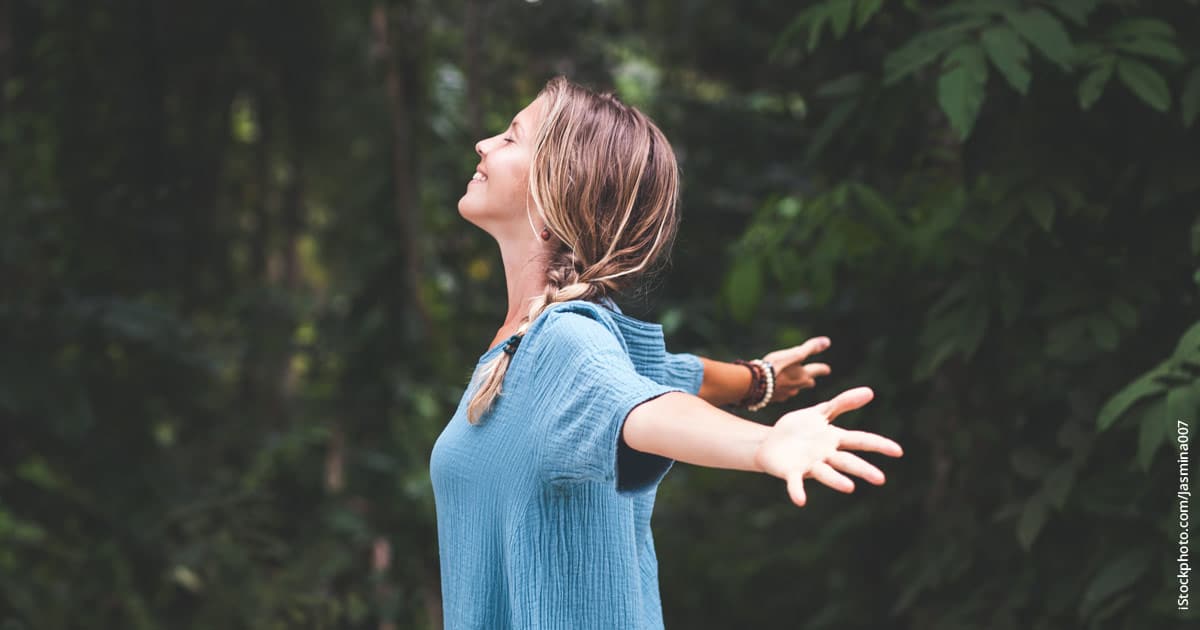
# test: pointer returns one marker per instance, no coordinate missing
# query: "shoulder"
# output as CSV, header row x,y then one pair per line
x,y
576,326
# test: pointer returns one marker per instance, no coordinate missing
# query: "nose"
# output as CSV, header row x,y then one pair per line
x,y
483,147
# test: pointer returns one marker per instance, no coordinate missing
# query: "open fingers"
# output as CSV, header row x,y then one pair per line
x,y
813,370
865,441
795,486
857,466
803,377
827,475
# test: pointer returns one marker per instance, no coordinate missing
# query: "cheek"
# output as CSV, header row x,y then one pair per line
x,y
514,183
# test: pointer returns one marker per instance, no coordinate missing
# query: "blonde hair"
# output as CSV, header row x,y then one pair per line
x,y
605,180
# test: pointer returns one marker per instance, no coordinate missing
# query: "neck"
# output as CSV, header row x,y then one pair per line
x,y
524,275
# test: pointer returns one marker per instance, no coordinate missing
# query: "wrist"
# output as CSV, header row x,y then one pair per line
x,y
756,455
725,383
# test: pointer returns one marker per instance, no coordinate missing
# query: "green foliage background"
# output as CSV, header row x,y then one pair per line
x,y
238,303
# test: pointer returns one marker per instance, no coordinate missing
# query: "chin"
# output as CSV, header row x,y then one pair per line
x,y
470,211
465,204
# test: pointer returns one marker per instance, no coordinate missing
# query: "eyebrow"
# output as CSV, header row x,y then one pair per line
x,y
516,125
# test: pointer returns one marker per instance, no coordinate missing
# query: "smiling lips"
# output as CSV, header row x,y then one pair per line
x,y
478,177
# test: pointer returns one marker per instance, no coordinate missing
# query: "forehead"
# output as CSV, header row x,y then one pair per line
x,y
529,116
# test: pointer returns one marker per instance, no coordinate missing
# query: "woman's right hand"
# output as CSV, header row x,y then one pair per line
x,y
804,443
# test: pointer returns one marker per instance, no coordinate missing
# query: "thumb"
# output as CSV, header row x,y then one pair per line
x,y
846,401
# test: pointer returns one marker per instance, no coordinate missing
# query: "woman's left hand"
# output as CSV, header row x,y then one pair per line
x,y
805,443
791,373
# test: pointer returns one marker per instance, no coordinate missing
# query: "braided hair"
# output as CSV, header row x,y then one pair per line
x,y
605,181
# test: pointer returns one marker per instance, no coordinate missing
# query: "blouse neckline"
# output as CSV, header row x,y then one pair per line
x,y
614,311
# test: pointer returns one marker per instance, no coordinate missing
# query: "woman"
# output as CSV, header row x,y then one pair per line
x,y
545,477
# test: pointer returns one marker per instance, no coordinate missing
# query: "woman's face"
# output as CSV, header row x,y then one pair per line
x,y
497,204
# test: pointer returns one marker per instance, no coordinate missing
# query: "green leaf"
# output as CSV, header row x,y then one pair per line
x,y
1058,484
840,16
974,8
1046,34
1123,312
930,361
805,18
1115,577
815,17
845,85
1183,402
1141,28
923,49
961,87
972,325
1075,10
1087,53
1144,386
1155,48
1033,517
1145,82
821,15
1041,208
744,287
1152,431
1189,100
1009,54
1189,342
1093,84
878,208
829,126
866,9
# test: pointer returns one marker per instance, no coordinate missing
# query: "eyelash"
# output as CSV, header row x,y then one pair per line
x,y
508,139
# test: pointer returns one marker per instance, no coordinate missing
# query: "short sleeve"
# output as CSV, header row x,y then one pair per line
x,y
591,385
684,370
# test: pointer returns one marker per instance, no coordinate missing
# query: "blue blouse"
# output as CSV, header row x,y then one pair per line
x,y
543,512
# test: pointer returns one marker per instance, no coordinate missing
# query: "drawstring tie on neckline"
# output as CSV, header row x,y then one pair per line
x,y
511,345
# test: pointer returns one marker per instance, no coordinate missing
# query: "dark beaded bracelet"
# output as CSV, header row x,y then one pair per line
x,y
758,383
769,371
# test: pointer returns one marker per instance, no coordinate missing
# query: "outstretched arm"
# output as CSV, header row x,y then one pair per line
x,y
802,444
727,383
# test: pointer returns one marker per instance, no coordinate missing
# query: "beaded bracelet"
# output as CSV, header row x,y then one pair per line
x,y
762,384
770,371
758,383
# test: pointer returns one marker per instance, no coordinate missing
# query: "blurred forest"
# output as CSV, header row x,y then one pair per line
x,y
238,303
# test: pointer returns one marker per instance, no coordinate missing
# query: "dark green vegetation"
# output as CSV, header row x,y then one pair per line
x,y
238,302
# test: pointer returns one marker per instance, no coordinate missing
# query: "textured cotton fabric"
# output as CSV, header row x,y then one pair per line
x,y
543,512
